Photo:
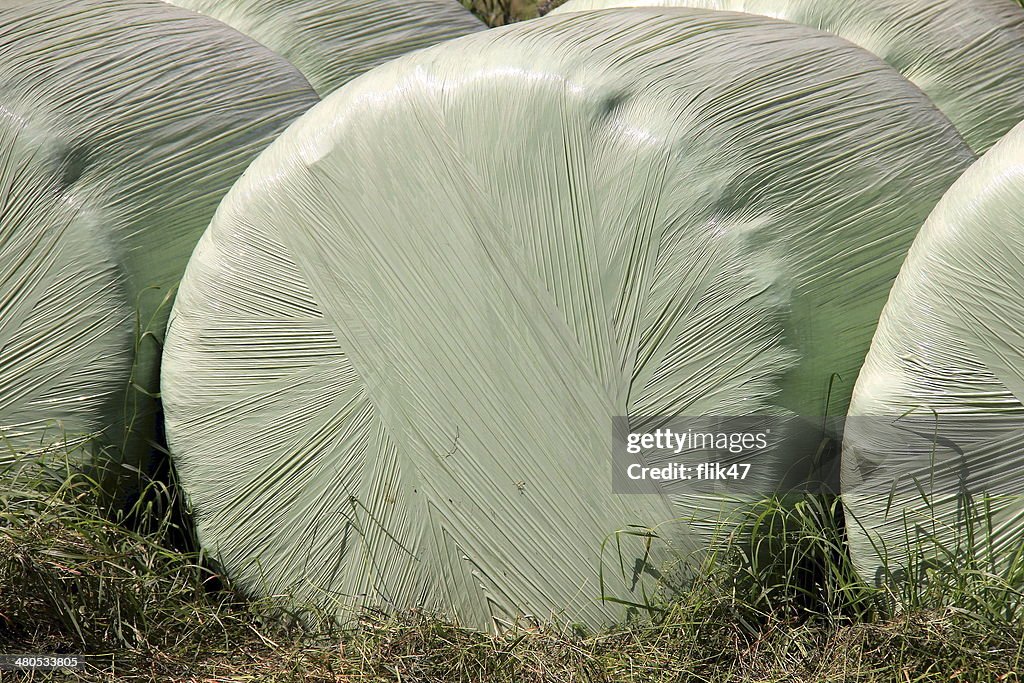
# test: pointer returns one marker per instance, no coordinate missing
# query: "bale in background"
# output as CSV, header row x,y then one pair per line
x,y
122,125
966,56
333,41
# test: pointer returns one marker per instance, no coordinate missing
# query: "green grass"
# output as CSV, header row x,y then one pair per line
x,y
500,12
129,589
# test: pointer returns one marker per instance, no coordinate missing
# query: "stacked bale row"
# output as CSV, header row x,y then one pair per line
x,y
396,356
124,123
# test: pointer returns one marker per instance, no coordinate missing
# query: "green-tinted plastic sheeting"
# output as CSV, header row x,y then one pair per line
x,y
122,125
947,360
395,356
967,55
333,41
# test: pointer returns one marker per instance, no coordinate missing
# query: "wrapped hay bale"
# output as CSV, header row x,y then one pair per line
x,y
966,56
931,459
122,125
396,357
67,323
333,41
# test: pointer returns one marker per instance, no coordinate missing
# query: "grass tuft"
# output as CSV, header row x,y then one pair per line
x,y
777,600
501,12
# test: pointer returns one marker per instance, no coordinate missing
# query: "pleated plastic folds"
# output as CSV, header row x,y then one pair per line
x,y
333,41
122,125
965,54
395,357
932,458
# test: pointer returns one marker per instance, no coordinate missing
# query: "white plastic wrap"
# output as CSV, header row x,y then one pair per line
x,y
123,123
333,41
967,55
931,461
395,359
